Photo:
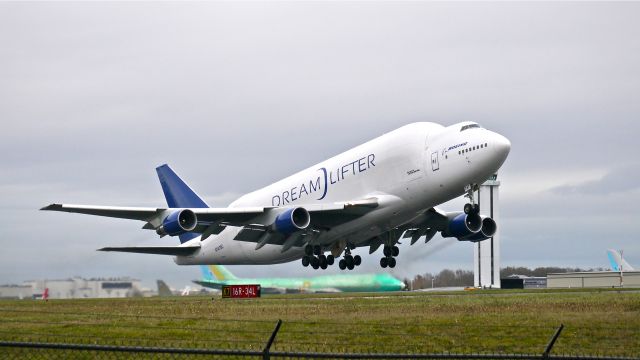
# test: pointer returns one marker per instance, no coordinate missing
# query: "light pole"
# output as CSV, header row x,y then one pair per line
x,y
621,262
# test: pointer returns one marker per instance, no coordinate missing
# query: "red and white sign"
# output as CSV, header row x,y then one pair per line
x,y
240,291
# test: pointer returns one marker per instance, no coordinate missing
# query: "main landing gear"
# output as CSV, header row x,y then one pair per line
x,y
390,253
349,262
314,256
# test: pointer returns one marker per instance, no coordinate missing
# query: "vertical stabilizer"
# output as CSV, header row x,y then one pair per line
x,y
206,273
176,191
617,262
179,194
221,272
163,289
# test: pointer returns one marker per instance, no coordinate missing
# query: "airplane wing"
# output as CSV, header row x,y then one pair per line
x,y
134,213
157,250
427,224
232,215
464,227
257,222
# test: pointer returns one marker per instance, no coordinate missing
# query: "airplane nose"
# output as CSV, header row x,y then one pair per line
x,y
501,146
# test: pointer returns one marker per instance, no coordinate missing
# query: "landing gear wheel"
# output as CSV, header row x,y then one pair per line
x,y
468,208
395,251
305,261
330,259
323,262
476,209
392,262
357,260
342,264
350,267
349,261
387,251
315,263
383,262
317,250
308,250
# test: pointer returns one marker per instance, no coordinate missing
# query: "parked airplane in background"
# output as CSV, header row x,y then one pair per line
x,y
216,276
372,195
617,262
164,289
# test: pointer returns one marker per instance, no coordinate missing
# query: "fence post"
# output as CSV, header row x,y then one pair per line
x,y
265,351
552,341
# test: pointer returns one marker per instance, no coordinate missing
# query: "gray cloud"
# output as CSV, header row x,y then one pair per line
x,y
238,95
619,180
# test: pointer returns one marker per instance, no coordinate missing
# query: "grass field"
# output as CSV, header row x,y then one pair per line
x,y
596,322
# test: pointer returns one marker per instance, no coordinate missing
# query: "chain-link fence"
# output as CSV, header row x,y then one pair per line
x,y
43,334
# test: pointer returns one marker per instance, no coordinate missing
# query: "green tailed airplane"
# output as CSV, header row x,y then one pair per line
x,y
215,276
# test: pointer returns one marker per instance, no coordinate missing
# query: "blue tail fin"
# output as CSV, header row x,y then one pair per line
x,y
221,272
617,262
179,194
216,273
206,273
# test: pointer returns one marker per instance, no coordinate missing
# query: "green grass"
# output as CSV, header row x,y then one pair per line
x,y
599,322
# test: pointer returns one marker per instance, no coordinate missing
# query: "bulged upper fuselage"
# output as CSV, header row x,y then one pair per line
x,y
408,170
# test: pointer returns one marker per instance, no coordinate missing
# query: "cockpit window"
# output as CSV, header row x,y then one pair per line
x,y
470,126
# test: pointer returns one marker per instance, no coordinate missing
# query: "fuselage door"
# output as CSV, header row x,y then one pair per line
x,y
434,161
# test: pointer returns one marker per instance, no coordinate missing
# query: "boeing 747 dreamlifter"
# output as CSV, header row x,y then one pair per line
x,y
372,195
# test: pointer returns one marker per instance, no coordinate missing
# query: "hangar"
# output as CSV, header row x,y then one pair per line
x,y
594,279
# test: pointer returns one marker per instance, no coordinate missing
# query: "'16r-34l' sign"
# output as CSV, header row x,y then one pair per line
x,y
240,291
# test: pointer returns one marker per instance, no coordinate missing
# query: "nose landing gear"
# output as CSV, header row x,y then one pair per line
x,y
471,208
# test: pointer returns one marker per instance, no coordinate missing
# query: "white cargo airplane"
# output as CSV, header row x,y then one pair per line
x,y
372,195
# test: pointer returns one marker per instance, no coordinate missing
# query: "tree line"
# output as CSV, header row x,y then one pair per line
x,y
460,277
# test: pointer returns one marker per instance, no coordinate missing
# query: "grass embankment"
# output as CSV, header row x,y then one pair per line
x,y
596,323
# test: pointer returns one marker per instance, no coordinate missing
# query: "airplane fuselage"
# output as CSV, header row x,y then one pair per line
x,y
408,171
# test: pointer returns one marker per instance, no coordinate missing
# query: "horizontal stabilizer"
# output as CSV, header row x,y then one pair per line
x,y
157,250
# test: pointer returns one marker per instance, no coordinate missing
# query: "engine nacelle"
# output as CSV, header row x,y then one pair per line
x,y
464,225
292,220
488,229
178,223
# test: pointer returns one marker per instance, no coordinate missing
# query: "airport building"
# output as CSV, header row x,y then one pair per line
x,y
16,291
74,288
594,279
523,282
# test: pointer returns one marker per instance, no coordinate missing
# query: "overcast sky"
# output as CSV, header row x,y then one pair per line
x,y
94,96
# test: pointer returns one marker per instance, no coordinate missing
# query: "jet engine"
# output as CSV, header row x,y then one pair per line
x,y
292,220
463,225
488,229
178,222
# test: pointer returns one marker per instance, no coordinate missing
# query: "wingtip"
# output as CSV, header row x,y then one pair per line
x,y
52,207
